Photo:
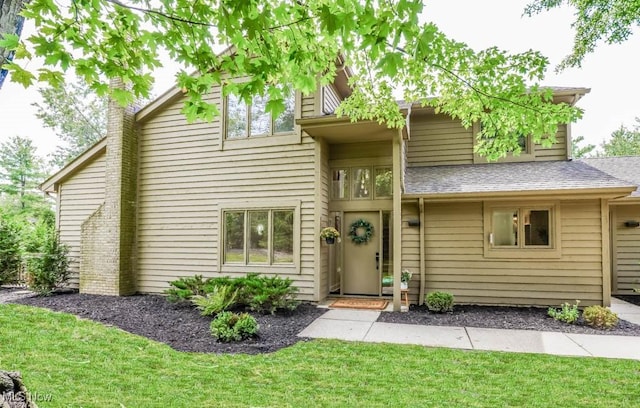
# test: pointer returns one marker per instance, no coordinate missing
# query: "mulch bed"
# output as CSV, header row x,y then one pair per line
x,y
635,299
180,326
183,328
497,317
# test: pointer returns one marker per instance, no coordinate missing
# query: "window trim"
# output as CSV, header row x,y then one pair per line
x,y
530,155
263,140
554,250
292,268
350,170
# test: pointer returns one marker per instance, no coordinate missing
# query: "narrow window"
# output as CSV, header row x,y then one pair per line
x,y
283,237
285,121
505,227
536,228
236,118
260,119
361,183
234,237
340,184
384,182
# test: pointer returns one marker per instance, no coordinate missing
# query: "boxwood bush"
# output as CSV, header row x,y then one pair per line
x,y
439,302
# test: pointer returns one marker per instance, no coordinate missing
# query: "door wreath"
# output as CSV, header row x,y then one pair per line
x,y
356,227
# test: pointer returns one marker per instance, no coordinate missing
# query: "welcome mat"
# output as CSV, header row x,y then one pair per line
x,y
348,303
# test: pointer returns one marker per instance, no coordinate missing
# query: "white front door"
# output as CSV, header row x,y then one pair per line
x,y
361,261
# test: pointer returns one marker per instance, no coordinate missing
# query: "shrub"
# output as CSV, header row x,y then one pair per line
x,y
269,294
568,313
50,268
600,317
218,300
9,251
228,326
440,302
185,288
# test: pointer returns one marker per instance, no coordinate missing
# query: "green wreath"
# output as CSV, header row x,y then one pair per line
x,y
365,236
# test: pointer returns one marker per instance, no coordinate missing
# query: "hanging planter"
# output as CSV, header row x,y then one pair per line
x,y
329,234
360,231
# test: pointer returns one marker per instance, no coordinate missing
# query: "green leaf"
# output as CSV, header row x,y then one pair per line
x,y
9,41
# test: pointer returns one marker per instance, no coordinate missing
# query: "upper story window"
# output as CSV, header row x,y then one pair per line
x,y
245,121
525,153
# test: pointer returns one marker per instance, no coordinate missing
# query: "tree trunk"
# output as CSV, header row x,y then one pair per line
x,y
10,23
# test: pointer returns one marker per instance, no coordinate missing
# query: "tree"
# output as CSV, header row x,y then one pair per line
x,y
611,20
578,151
10,23
623,142
282,45
77,116
21,172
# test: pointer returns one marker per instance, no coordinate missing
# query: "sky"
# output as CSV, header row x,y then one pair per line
x,y
611,72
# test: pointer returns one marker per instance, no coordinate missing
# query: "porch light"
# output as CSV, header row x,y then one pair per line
x,y
632,224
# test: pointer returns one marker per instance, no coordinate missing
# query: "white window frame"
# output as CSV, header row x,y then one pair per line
x,y
246,207
553,250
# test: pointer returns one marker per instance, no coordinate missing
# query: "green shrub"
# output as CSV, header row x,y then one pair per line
x,y
185,288
228,326
568,313
600,317
9,251
440,302
220,298
268,294
50,268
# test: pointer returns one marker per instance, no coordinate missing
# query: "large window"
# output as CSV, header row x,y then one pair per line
x,y
258,237
244,121
521,228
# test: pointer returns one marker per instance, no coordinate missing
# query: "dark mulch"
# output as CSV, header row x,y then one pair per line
x,y
523,318
635,299
180,326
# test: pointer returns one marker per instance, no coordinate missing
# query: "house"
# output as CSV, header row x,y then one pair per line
x,y
625,222
160,198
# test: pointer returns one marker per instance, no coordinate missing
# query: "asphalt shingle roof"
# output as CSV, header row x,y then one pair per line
x,y
624,168
507,177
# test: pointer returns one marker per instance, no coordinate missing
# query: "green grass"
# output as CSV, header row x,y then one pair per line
x,y
82,363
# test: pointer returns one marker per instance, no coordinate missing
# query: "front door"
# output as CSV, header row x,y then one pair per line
x,y
361,261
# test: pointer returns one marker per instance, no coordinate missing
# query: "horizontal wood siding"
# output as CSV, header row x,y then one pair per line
x,y
330,99
438,140
626,249
557,151
324,219
184,180
80,196
455,259
350,151
411,249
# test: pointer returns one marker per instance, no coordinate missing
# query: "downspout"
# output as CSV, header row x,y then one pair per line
x,y
423,267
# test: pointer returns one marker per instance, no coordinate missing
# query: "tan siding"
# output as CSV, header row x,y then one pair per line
x,y
80,196
350,151
411,249
309,105
455,259
185,178
330,99
557,151
626,249
438,140
324,220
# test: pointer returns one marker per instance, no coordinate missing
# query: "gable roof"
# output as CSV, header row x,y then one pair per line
x,y
512,179
50,185
622,167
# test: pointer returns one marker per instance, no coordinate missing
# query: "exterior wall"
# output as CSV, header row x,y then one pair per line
x,y
186,177
80,196
411,249
330,99
323,210
625,253
455,261
438,140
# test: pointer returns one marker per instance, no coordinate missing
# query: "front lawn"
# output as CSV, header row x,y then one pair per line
x,y
82,363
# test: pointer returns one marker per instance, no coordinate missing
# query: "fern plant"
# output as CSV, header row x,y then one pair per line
x,y
219,299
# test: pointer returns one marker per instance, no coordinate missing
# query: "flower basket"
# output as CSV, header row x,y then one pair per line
x,y
329,234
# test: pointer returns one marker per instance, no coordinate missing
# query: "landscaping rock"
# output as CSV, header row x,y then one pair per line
x,y
13,393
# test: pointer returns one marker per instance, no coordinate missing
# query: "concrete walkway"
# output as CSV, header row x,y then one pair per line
x,y
361,325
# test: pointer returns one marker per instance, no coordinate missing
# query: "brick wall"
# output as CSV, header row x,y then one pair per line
x,y
108,237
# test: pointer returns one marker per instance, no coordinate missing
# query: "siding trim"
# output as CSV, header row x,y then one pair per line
x,y
606,253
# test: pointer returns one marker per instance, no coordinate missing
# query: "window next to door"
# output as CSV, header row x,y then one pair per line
x,y
524,230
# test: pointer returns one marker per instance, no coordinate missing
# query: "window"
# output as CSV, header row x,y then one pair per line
x,y
361,183
527,149
521,228
244,121
258,237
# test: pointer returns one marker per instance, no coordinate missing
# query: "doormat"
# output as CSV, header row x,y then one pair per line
x,y
347,303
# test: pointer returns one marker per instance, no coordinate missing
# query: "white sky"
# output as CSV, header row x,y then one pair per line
x,y
611,72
